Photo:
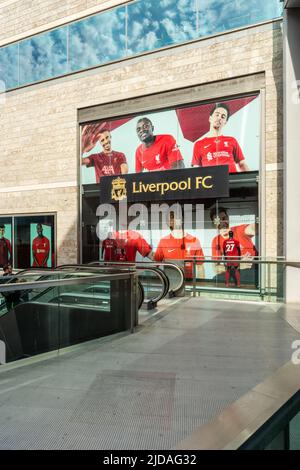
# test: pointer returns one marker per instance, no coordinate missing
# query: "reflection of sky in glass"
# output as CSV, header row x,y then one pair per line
x,y
218,15
9,66
97,40
153,24
43,56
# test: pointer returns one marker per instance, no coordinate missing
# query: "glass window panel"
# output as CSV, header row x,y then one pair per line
x,y
216,16
43,56
6,255
9,67
34,241
102,38
97,40
151,27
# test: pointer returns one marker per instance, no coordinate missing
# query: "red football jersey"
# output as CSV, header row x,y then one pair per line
x,y
132,242
106,164
246,244
109,247
231,249
160,156
40,250
173,248
222,150
121,257
5,251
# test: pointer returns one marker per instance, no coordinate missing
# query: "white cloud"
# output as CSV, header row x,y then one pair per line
x,y
101,38
9,66
219,15
43,56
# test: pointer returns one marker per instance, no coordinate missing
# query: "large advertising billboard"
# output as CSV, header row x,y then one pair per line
x,y
219,132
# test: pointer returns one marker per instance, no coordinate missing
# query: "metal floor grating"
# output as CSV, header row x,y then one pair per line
x,y
149,390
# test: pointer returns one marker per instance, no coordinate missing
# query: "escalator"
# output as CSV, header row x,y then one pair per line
x,y
150,274
67,272
59,309
75,303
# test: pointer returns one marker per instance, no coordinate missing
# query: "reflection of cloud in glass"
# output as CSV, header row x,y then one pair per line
x,y
219,15
9,66
98,39
43,56
150,27
101,38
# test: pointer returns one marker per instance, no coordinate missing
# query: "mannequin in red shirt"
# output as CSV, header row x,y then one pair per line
x,y
231,249
244,234
179,246
109,248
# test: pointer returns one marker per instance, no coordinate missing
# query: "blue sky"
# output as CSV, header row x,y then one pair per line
x,y
151,27
219,15
151,24
9,66
43,56
98,39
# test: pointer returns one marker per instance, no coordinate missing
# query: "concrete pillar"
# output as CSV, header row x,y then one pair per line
x,y
291,81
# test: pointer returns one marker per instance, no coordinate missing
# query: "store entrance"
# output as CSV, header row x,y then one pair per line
x,y
190,233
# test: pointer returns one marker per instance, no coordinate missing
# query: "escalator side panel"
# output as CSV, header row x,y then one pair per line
x,y
49,327
9,334
38,326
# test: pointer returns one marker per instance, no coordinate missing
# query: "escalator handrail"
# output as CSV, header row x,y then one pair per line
x,y
47,271
163,278
99,264
79,266
151,264
142,295
161,275
53,282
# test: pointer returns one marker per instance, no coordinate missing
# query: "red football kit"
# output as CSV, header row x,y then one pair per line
x,y
109,247
160,156
222,150
246,244
106,164
131,242
40,250
231,249
187,247
121,257
5,251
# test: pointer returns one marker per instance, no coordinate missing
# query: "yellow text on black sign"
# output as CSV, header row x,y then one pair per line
x,y
163,188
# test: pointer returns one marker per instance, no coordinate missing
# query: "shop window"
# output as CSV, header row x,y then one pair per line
x,y
27,241
34,242
6,255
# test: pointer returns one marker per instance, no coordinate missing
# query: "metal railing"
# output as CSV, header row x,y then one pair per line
x,y
172,271
154,281
263,279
